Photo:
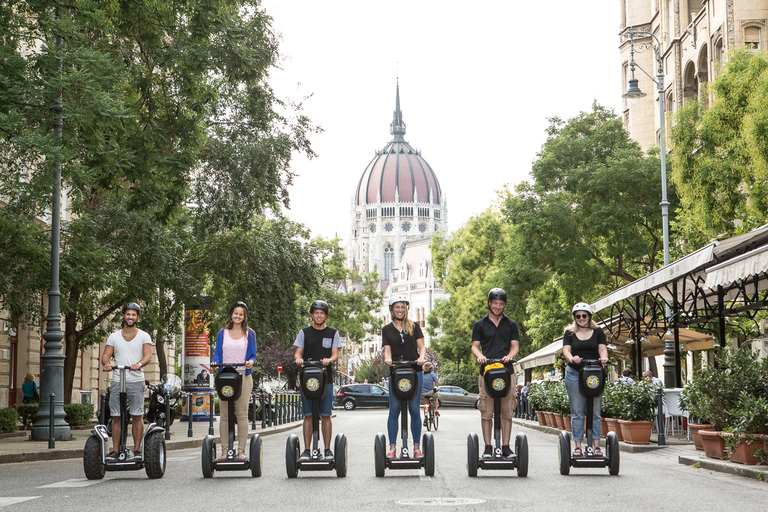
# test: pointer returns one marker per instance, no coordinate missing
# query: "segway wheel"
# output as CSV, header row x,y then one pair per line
x,y
154,455
428,444
292,456
209,456
340,455
255,455
521,450
472,454
93,464
612,445
380,453
565,453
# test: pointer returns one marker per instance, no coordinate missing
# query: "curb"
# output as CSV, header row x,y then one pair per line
x,y
77,453
756,472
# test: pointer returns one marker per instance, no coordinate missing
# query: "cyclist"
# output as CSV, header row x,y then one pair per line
x,y
429,388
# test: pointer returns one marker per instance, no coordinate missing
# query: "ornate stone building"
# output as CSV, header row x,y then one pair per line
x,y
695,37
397,206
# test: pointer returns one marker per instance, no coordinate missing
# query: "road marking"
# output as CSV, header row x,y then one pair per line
x,y
440,502
75,482
175,459
4,502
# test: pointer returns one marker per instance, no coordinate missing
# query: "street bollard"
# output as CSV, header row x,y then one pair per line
x,y
167,418
253,411
660,417
189,414
51,439
210,416
263,409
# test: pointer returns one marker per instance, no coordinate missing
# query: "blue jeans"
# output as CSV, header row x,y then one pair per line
x,y
579,407
393,421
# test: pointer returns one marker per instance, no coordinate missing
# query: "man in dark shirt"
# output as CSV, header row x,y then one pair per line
x,y
318,342
495,336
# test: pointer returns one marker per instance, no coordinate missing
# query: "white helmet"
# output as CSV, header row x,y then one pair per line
x,y
581,306
398,298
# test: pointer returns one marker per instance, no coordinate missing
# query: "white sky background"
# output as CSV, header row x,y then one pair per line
x,y
478,81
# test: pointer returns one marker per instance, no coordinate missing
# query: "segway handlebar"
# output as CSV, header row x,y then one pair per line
x,y
591,362
222,365
493,361
116,367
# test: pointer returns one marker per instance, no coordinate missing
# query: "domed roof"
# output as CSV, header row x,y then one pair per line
x,y
398,173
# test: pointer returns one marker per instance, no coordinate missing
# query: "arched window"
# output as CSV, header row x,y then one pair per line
x,y
389,262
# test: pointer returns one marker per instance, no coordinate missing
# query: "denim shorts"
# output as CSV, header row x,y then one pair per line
x,y
326,403
135,392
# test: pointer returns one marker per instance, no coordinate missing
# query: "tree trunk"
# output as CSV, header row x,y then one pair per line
x,y
162,362
71,346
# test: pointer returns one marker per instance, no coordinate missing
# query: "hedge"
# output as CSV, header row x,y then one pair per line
x,y
28,412
8,420
78,414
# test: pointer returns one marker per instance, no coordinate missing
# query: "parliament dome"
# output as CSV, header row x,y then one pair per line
x,y
398,173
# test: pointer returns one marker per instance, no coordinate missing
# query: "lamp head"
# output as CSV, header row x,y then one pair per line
x,y
634,91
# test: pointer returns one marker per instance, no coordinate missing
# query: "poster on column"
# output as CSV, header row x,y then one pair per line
x,y
197,360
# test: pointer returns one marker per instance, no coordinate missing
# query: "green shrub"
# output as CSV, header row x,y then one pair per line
x,y
27,412
638,401
537,395
78,414
462,380
8,420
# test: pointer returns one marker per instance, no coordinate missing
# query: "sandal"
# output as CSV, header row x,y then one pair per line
x,y
577,452
241,455
597,452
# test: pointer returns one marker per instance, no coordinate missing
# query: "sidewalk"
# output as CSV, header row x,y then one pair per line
x,y
17,447
685,450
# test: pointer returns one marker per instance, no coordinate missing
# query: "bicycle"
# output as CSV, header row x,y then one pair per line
x,y
431,418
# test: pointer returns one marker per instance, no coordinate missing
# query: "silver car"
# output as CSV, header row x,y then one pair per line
x,y
454,396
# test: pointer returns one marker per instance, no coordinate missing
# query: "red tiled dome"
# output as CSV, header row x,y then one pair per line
x,y
398,173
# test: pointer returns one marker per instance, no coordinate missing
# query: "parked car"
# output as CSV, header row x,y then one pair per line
x,y
362,395
454,396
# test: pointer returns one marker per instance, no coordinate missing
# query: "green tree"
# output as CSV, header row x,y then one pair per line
x,y
720,157
164,104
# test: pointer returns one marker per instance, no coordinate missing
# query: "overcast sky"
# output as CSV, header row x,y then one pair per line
x,y
478,81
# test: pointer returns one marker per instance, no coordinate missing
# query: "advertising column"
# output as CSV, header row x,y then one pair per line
x,y
197,360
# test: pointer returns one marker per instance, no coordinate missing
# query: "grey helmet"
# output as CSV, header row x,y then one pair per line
x,y
498,294
319,304
133,306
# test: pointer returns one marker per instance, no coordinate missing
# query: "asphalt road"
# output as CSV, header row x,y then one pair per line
x,y
647,481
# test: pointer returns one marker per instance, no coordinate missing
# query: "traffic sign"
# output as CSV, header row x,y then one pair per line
x,y
279,368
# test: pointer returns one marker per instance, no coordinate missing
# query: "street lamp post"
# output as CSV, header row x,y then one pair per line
x,y
52,360
634,92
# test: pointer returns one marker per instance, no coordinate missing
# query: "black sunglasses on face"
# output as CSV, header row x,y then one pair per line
x,y
579,317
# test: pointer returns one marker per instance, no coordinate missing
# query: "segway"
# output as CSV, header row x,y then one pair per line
x,y
152,459
591,384
229,385
498,383
314,380
404,382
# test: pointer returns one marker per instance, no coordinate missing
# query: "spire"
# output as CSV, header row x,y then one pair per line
x,y
397,127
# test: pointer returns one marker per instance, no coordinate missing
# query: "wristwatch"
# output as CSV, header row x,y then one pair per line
x,y
140,365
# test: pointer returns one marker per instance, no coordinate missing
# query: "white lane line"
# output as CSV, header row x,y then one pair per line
x,y
4,502
174,459
75,482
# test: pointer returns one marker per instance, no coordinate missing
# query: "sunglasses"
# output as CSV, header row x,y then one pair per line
x,y
402,339
579,317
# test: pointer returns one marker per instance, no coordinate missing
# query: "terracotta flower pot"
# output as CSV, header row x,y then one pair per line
x,y
714,445
613,426
560,421
549,420
567,422
603,428
744,453
695,427
636,432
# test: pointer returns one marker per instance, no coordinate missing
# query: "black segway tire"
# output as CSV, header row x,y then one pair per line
x,y
428,445
255,455
292,456
340,455
380,454
93,464
154,455
472,454
612,446
564,454
209,456
521,450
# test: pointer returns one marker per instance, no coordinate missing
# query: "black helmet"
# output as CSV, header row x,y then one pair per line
x,y
498,294
319,304
238,304
133,306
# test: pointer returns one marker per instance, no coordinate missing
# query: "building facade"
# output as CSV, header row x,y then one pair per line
x,y
397,206
695,37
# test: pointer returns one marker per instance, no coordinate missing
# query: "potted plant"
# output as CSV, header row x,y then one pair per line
x,y
560,404
636,411
745,437
537,398
610,407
